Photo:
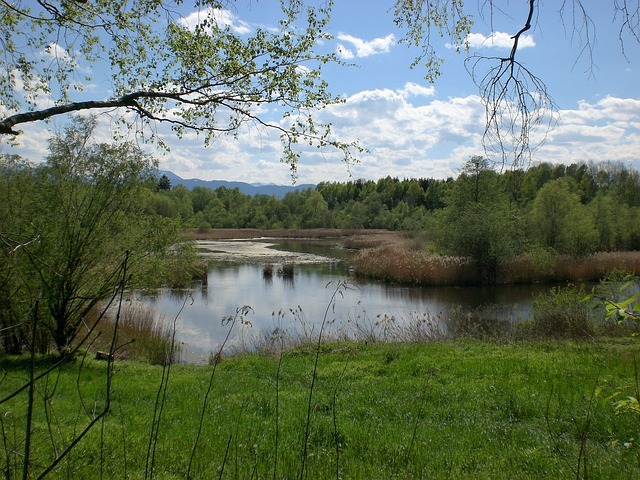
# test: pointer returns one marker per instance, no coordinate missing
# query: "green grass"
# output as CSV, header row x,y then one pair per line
x,y
462,409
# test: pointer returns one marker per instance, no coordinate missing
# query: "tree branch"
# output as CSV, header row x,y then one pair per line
x,y
516,101
6,125
526,27
129,100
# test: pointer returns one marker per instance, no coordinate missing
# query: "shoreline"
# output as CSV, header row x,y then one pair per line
x,y
395,257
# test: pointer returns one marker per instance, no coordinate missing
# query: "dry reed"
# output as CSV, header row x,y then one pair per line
x,y
397,262
142,335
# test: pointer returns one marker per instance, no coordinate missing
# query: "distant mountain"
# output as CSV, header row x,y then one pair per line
x,y
277,191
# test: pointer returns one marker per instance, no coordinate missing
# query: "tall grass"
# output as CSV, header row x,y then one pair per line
x,y
142,334
397,262
530,268
484,323
563,313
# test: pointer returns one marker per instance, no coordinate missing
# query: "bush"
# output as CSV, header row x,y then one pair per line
x,y
563,313
287,270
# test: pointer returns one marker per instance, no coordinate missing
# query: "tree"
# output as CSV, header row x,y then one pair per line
x,y
478,221
75,219
181,197
559,221
15,178
164,183
199,77
609,217
315,212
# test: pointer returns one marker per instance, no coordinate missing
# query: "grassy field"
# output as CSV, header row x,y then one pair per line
x,y
462,409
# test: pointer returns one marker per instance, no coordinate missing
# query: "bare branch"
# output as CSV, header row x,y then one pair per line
x,y
527,26
583,27
630,20
516,101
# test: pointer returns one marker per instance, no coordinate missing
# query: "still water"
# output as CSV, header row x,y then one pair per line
x,y
320,289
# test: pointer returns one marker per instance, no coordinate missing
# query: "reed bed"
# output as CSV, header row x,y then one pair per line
x,y
142,334
563,268
396,262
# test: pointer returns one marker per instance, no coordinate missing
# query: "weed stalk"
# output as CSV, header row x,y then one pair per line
x,y
340,286
230,321
161,397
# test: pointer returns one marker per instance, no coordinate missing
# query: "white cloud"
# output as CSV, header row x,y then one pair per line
x,y
364,48
605,130
433,140
220,16
404,139
55,51
414,89
344,53
303,69
496,40
408,131
612,108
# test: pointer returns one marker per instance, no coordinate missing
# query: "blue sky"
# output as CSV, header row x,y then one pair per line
x,y
415,129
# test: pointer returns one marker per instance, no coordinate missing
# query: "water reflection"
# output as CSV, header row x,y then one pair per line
x,y
302,300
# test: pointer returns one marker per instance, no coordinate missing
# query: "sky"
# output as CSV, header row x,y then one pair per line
x,y
412,128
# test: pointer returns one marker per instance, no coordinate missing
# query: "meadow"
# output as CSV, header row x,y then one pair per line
x,y
443,409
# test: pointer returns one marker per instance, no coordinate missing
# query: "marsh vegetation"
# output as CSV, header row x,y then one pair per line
x,y
425,394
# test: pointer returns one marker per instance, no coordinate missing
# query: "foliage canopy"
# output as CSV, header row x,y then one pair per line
x,y
208,77
202,76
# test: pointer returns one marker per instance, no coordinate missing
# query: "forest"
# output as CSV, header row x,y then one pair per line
x,y
573,209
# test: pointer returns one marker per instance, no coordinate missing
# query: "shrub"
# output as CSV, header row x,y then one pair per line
x,y
267,270
287,270
563,313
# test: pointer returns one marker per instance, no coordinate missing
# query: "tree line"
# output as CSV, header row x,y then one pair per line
x,y
574,209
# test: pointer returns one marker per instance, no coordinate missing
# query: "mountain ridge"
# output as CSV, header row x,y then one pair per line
x,y
251,189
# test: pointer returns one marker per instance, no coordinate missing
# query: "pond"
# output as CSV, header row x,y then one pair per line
x,y
320,289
